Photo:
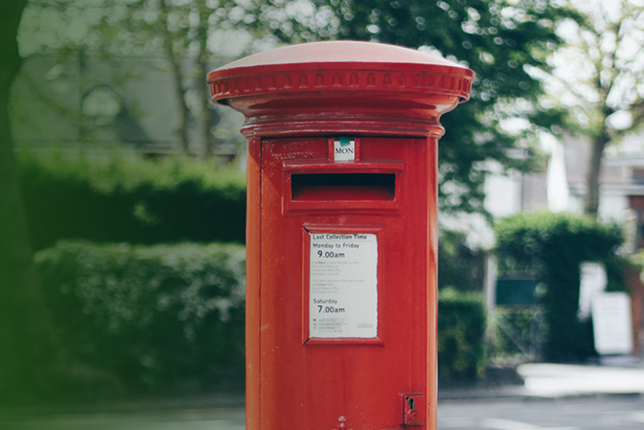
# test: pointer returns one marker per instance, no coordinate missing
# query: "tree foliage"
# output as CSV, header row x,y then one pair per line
x,y
459,266
603,93
190,35
499,40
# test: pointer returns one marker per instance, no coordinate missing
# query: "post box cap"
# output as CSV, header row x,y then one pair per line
x,y
340,67
341,52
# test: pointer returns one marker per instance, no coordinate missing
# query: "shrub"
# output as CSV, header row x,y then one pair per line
x,y
459,266
552,247
461,336
155,316
125,201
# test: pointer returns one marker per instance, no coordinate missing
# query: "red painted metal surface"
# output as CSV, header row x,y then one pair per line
x,y
309,365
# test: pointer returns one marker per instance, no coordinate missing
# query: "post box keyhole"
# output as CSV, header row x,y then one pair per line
x,y
411,416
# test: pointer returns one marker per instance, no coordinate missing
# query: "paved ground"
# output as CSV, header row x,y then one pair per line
x,y
552,380
560,380
554,397
572,413
200,419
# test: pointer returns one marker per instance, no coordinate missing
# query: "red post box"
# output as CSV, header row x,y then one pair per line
x,y
341,231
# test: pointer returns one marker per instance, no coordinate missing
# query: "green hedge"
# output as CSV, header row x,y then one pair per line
x,y
157,317
152,317
551,247
461,336
124,201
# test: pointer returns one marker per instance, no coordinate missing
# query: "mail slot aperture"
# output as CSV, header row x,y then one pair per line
x,y
362,186
343,186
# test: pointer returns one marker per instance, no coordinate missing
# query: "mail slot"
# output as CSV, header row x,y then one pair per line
x,y
322,185
343,186
341,231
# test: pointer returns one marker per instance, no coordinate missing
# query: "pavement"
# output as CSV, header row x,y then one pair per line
x,y
616,377
620,376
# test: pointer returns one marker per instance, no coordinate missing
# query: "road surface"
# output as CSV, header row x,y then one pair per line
x,y
623,412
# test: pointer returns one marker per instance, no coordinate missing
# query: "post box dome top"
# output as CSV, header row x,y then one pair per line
x,y
341,52
339,67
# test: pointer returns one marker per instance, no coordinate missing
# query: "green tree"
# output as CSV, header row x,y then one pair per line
x,y
499,40
188,34
603,92
184,33
157,26
459,266
26,337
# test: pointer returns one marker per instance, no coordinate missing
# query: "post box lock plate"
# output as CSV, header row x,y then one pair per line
x,y
413,409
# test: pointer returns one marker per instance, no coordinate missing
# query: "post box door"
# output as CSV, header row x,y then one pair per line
x,y
343,353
